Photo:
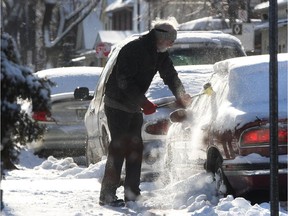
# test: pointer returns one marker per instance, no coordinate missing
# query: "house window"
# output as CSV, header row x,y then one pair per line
x,y
122,20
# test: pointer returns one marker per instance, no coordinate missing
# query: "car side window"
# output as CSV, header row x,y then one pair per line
x,y
105,75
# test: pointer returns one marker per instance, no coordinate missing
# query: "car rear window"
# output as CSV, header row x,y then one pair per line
x,y
202,55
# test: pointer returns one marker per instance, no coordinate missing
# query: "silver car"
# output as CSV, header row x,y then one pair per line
x,y
155,126
65,131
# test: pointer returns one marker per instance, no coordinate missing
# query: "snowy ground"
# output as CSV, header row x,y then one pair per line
x,y
59,187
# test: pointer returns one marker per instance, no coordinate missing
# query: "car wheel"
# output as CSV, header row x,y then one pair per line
x,y
92,155
223,187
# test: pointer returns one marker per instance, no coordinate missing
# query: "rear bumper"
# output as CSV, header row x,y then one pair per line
x,y
254,177
60,141
60,152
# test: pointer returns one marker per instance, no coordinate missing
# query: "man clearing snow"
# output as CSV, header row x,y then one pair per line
x,y
125,100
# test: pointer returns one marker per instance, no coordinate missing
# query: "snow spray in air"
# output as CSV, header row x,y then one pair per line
x,y
186,141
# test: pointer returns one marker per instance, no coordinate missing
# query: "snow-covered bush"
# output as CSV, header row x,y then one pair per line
x,y
18,82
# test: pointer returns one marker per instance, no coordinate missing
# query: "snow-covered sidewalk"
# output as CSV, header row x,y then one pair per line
x,y
59,187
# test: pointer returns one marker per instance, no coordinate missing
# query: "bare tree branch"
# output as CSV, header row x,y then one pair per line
x,y
82,13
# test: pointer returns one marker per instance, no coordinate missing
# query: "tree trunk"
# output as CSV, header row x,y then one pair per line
x,y
40,53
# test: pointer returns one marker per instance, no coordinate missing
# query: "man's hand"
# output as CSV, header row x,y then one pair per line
x,y
148,107
185,100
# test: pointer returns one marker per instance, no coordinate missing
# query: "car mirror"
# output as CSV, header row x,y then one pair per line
x,y
178,115
81,93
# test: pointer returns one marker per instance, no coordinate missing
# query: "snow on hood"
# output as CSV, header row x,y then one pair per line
x,y
245,96
192,76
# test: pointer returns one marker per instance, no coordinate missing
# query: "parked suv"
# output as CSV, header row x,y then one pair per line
x,y
198,48
155,126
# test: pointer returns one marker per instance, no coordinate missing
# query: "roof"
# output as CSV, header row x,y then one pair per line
x,y
112,37
205,23
265,5
118,5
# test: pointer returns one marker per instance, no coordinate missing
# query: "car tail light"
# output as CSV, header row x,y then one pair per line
x,y
42,116
262,136
159,127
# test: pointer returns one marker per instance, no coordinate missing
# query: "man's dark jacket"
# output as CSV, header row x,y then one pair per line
x,y
137,63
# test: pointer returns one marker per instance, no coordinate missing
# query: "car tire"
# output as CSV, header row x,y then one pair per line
x,y
223,187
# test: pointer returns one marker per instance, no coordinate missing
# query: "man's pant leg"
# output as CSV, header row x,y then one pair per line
x,y
134,159
118,126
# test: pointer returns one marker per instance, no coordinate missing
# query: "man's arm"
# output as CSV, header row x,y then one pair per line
x,y
170,78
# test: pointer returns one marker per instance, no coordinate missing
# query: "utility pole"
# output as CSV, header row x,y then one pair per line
x,y
273,94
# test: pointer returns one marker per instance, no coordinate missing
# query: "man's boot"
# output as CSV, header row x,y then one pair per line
x,y
112,201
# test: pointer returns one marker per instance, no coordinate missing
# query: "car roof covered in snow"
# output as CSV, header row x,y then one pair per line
x,y
249,78
216,37
245,94
69,78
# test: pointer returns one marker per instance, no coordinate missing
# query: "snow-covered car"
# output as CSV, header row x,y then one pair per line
x,y
155,126
65,132
228,131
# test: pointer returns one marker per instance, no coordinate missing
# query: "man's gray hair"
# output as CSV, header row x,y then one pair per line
x,y
165,29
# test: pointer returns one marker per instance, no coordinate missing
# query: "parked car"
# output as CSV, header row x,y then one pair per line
x,y
228,133
65,131
244,31
204,47
155,126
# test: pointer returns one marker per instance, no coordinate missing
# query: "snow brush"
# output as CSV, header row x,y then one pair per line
x,y
207,89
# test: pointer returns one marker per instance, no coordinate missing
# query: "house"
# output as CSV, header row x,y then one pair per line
x,y
263,10
121,18
125,17
118,19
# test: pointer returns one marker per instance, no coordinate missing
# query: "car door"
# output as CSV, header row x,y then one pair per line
x,y
95,118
